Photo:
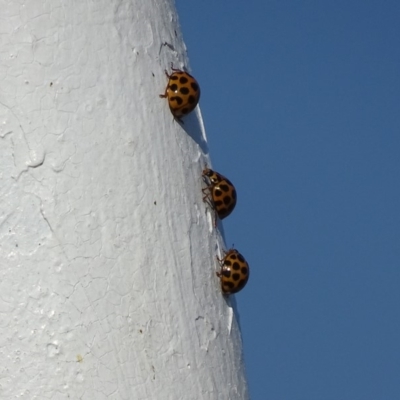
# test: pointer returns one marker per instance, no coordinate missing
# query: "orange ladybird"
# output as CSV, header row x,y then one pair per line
x,y
220,193
182,92
234,272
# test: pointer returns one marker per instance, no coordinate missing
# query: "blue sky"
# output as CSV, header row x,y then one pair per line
x,y
301,103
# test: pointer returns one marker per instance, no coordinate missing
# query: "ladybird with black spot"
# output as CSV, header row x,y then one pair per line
x,y
220,193
182,92
234,272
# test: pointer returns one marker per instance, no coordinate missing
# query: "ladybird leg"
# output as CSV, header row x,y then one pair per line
x,y
165,93
206,191
220,260
207,200
174,69
166,73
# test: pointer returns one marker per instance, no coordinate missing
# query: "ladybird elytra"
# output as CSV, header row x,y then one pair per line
x,y
234,272
220,193
182,92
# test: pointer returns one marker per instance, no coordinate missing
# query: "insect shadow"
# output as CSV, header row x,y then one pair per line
x,y
194,128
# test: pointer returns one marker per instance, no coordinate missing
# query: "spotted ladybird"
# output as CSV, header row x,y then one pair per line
x,y
182,92
234,272
220,194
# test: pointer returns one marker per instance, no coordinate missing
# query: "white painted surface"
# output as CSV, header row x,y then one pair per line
x,y
107,251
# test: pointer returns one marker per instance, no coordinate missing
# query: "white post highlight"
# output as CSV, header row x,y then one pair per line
x,y
107,251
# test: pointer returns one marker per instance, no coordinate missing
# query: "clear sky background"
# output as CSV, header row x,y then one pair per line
x,y
301,103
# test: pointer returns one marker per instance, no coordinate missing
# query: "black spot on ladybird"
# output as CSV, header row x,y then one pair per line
x,y
228,263
226,273
236,277
244,270
184,90
230,285
218,192
194,86
218,203
236,266
191,99
241,258
177,99
227,200
224,187
174,77
174,87
183,79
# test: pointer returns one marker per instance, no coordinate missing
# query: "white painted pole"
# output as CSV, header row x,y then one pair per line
x,y
107,251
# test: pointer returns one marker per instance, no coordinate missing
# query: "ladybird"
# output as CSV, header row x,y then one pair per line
x,y
220,194
234,272
183,93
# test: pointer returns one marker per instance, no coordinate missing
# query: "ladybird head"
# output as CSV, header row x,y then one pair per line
x,y
213,176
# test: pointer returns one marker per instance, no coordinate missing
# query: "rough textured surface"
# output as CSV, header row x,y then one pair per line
x,y
107,251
